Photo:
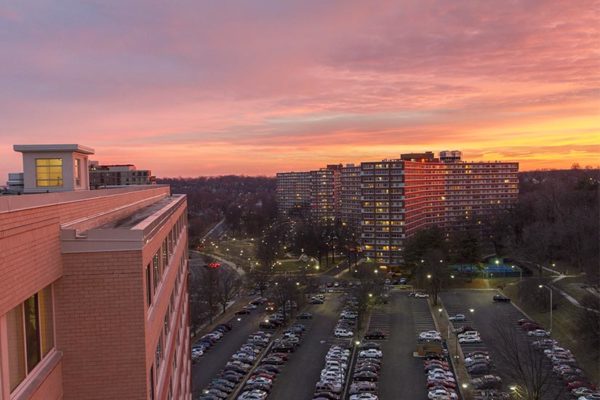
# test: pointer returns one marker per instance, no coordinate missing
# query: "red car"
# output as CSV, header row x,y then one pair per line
x,y
530,326
578,384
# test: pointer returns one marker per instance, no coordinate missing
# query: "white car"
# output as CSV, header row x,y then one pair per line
x,y
458,317
430,335
371,353
439,394
364,396
261,380
343,333
253,395
468,333
538,333
469,339
420,295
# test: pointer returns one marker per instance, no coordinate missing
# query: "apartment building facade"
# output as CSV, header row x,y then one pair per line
x,y
350,202
389,200
93,295
294,192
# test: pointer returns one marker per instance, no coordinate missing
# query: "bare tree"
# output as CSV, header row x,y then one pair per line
x,y
528,368
285,292
228,285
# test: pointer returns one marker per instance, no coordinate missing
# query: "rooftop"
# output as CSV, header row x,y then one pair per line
x,y
75,148
15,203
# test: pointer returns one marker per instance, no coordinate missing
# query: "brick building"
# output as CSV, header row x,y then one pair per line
x,y
93,295
102,176
388,201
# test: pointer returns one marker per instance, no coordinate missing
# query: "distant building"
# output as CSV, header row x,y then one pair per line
x,y
93,288
350,196
388,201
102,176
326,194
294,192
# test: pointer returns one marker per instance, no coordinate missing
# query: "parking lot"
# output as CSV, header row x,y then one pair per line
x,y
207,366
298,377
489,319
402,374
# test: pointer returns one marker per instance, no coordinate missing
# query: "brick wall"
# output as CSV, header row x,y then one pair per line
x,y
100,322
30,239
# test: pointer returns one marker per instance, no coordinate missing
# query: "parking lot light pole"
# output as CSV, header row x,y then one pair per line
x,y
550,290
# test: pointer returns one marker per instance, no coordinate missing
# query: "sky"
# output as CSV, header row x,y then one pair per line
x,y
190,87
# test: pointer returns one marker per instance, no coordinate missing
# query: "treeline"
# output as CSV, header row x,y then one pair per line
x,y
557,220
247,203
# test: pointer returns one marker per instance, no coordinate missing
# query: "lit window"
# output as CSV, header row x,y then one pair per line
x,y
30,335
48,172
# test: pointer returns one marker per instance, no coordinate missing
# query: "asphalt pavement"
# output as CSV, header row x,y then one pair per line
x,y
486,318
300,374
215,359
402,374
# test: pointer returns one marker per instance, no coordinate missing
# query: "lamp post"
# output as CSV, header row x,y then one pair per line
x,y
550,290
520,272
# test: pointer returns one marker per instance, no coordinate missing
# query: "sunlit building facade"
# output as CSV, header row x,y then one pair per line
x,y
388,201
93,295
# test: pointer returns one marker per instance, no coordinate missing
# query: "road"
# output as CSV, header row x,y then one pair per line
x,y
214,360
301,373
403,318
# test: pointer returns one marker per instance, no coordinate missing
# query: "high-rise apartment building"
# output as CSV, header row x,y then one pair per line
x,y
93,295
326,194
102,176
350,196
294,192
390,200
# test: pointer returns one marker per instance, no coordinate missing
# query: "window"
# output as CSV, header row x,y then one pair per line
x,y
48,172
148,285
77,171
30,335
155,270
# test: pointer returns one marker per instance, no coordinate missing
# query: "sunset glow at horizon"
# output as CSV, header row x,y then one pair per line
x,y
259,87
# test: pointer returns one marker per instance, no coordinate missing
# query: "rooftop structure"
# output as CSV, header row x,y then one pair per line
x,y
54,167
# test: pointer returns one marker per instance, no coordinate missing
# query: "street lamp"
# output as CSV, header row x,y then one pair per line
x,y
370,294
497,262
550,290
452,276
428,276
520,272
471,310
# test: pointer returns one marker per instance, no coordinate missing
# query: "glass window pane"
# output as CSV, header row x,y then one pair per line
x,y
16,346
32,331
46,317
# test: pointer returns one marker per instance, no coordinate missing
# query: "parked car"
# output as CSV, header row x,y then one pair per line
x,y
501,298
343,333
374,335
457,317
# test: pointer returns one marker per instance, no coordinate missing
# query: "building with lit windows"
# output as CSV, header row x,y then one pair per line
x,y
388,201
350,196
93,295
294,192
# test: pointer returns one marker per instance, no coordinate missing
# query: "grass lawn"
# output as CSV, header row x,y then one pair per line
x,y
237,251
564,329
573,286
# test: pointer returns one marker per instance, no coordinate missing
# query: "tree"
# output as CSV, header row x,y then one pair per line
x,y
464,247
285,291
259,277
228,285
526,366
